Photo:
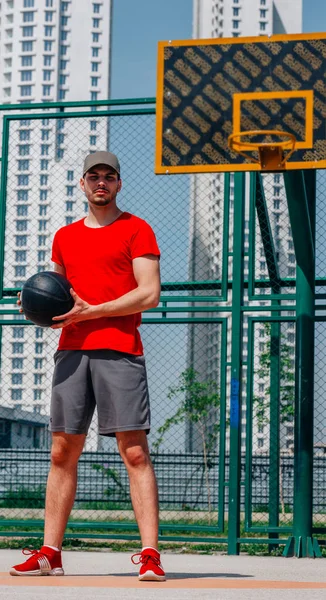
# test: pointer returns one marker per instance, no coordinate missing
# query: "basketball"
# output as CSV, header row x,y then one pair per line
x,y
44,296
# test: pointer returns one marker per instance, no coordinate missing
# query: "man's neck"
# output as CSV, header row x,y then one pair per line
x,y
101,218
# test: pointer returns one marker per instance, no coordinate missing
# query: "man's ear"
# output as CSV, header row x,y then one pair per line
x,y
119,185
82,184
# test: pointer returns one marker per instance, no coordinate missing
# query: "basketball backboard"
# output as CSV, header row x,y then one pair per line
x,y
209,90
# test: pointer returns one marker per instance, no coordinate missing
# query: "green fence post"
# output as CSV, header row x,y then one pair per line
x,y
301,211
275,334
236,365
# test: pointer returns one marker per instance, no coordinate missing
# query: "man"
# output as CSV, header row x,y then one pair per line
x,y
111,259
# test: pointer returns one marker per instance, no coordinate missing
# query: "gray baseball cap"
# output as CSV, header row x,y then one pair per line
x,y
101,158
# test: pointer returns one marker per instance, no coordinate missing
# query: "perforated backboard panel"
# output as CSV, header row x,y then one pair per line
x,y
209,89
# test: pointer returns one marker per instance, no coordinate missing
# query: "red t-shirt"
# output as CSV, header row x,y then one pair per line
x,y
98,264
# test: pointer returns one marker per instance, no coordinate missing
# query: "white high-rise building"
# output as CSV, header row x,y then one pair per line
x,y
50,50
234,18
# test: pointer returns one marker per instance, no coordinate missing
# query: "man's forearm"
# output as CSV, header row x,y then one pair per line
x,y
135,301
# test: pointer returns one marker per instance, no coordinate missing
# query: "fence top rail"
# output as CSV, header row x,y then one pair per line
x,y
76,103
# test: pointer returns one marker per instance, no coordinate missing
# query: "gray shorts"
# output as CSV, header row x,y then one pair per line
x,y
114,382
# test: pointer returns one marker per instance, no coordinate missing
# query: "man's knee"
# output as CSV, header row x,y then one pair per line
x,y
66,448
133,449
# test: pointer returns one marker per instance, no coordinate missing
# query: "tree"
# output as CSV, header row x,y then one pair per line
x,y
200,400
286,388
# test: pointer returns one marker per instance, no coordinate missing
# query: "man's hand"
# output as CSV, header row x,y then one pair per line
x,y
81,311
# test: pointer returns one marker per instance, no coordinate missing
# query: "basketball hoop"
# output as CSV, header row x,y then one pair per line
x,y
272,155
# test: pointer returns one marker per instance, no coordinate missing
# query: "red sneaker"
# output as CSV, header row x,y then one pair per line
x,y
42,562
151,568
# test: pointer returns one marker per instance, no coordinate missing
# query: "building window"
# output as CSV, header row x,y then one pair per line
x,y
260,443
18,332
28,3
27,46
93,125
47,90
22,210
20,271
41,255
94,95
48,3
63,49
235,24
62,94
28,31
94,81
38,331
47,46
64,6
291,271
70,175
38,379
64,21
39,347
69,206
60,153
94,67
92,140
42,239
44,164
263,13
25,90
95,37
20,256
21,240
24,135
47,75
17,363
48,16
17,395
38,363
48,30
64,36
262,26
47,60
42,211
69,220
236,12
37,394
21,225
70,190
62,79
24,150
44,149
27,61
44,179
45,134
95,52
63,65
96,8
96,23
43,195
26,76
28,16
42,225
17,347
16,379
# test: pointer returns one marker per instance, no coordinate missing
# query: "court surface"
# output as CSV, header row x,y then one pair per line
x,y
111,575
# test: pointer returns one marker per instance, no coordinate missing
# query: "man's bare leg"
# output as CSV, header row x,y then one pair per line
x,y
134,451
61,485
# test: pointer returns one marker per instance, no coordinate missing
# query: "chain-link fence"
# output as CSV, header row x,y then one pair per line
x,y
189,339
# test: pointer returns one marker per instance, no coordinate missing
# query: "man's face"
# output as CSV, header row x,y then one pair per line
x,y
101,185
